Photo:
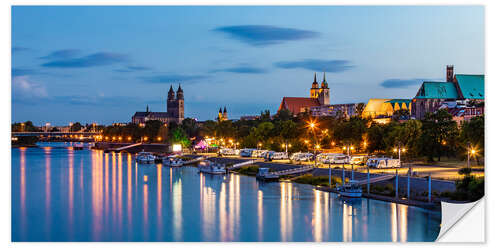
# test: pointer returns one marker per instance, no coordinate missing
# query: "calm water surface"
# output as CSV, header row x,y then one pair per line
x,y
63,195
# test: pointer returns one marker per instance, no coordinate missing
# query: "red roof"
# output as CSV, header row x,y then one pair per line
x,y
298,104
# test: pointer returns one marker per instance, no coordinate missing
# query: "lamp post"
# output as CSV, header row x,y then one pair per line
x,y
470,152
398,150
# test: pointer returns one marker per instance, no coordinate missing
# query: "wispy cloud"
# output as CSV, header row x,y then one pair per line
x,y
24,88
19,49
261,35
23,72
316,65
129,69
171,78
93,60
62,54
242,70
402,83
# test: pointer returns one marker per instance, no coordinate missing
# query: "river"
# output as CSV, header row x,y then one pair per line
x,y
59,194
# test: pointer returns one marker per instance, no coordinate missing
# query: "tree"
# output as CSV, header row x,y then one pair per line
x,y
189,125
350,132
401,114
283,115
75,127
178,135
375,137
439,132
209,128
359,108
24,127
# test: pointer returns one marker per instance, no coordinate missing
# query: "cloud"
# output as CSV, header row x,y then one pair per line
x,y
23,72
316,65
93,60
401,83
62,54
129,69
19,49
24,88
242,70
171,78
261,35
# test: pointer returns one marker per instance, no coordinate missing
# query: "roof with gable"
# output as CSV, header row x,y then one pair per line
x,y
470,86
437,90
152,114
298,104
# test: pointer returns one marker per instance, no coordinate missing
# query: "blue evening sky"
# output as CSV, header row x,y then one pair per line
x,y
101,64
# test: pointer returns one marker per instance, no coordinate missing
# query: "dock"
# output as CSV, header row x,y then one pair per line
x,y
198,159
241,164
277,174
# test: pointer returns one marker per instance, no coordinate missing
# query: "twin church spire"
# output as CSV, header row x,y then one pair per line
x,y
172,95
323,93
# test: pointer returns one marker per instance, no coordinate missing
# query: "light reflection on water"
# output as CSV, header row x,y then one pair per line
x,y
114,199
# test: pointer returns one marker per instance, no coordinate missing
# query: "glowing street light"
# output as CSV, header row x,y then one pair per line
x,y
318,146
312,125
129,138
470,152
159,138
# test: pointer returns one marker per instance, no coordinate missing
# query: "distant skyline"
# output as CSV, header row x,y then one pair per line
x,y
103,63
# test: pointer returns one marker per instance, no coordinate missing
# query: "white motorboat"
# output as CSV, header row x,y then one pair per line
x,y
352,189
78,146
145,158
172,161
212,167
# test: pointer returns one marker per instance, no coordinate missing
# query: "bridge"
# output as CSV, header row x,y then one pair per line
x,y
47,134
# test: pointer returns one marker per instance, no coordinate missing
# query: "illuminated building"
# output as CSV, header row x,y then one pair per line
x,y
175,110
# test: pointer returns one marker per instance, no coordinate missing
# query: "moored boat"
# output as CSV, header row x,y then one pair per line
x,y
172,161
145,158
78,146
210,167
352,190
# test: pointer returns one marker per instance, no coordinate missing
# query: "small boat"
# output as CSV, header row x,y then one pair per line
x,y
212,167
352,190
172,161
145,158
78,146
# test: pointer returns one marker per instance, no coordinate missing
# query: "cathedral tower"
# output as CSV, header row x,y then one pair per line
x,y
314,88
324,92
171,103
449,73
180,104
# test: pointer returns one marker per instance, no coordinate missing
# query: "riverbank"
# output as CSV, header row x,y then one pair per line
x,y
383,190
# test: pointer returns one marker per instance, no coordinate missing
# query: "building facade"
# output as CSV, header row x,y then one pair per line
x,y
175,110
318,102
459,88
222,116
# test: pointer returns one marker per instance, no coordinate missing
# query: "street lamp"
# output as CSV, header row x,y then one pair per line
x,y
398,150
260,145
470,152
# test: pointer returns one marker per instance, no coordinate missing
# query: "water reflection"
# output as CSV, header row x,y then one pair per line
x,y
48,180
22,188
177,209
70,187
286,216
116,199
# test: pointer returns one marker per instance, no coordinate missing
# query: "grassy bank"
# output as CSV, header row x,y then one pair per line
x,y
251,170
